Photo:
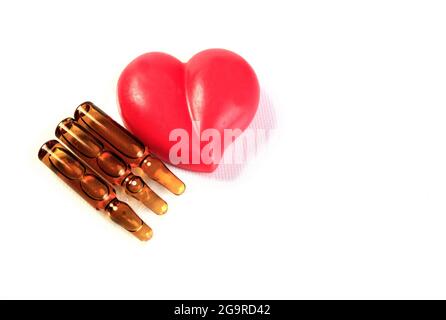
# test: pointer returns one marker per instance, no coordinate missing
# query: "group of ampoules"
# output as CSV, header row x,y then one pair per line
x,y
95,153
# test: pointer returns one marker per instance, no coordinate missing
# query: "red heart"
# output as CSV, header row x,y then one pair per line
x,y
158,93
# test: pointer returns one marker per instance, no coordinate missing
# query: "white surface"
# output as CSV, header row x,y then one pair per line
x,y
346,200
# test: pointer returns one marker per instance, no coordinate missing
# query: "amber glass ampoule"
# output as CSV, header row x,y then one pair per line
x,y
92,188
107,164
127,146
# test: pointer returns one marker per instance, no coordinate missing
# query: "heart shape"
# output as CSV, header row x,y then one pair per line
x,y
161,99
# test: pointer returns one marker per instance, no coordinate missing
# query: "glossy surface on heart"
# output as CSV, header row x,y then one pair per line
x,y
157,93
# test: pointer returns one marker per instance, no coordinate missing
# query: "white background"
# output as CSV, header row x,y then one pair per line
x,y
347,199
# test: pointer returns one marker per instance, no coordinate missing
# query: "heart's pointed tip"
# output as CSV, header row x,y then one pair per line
x,y
202,168
210,169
